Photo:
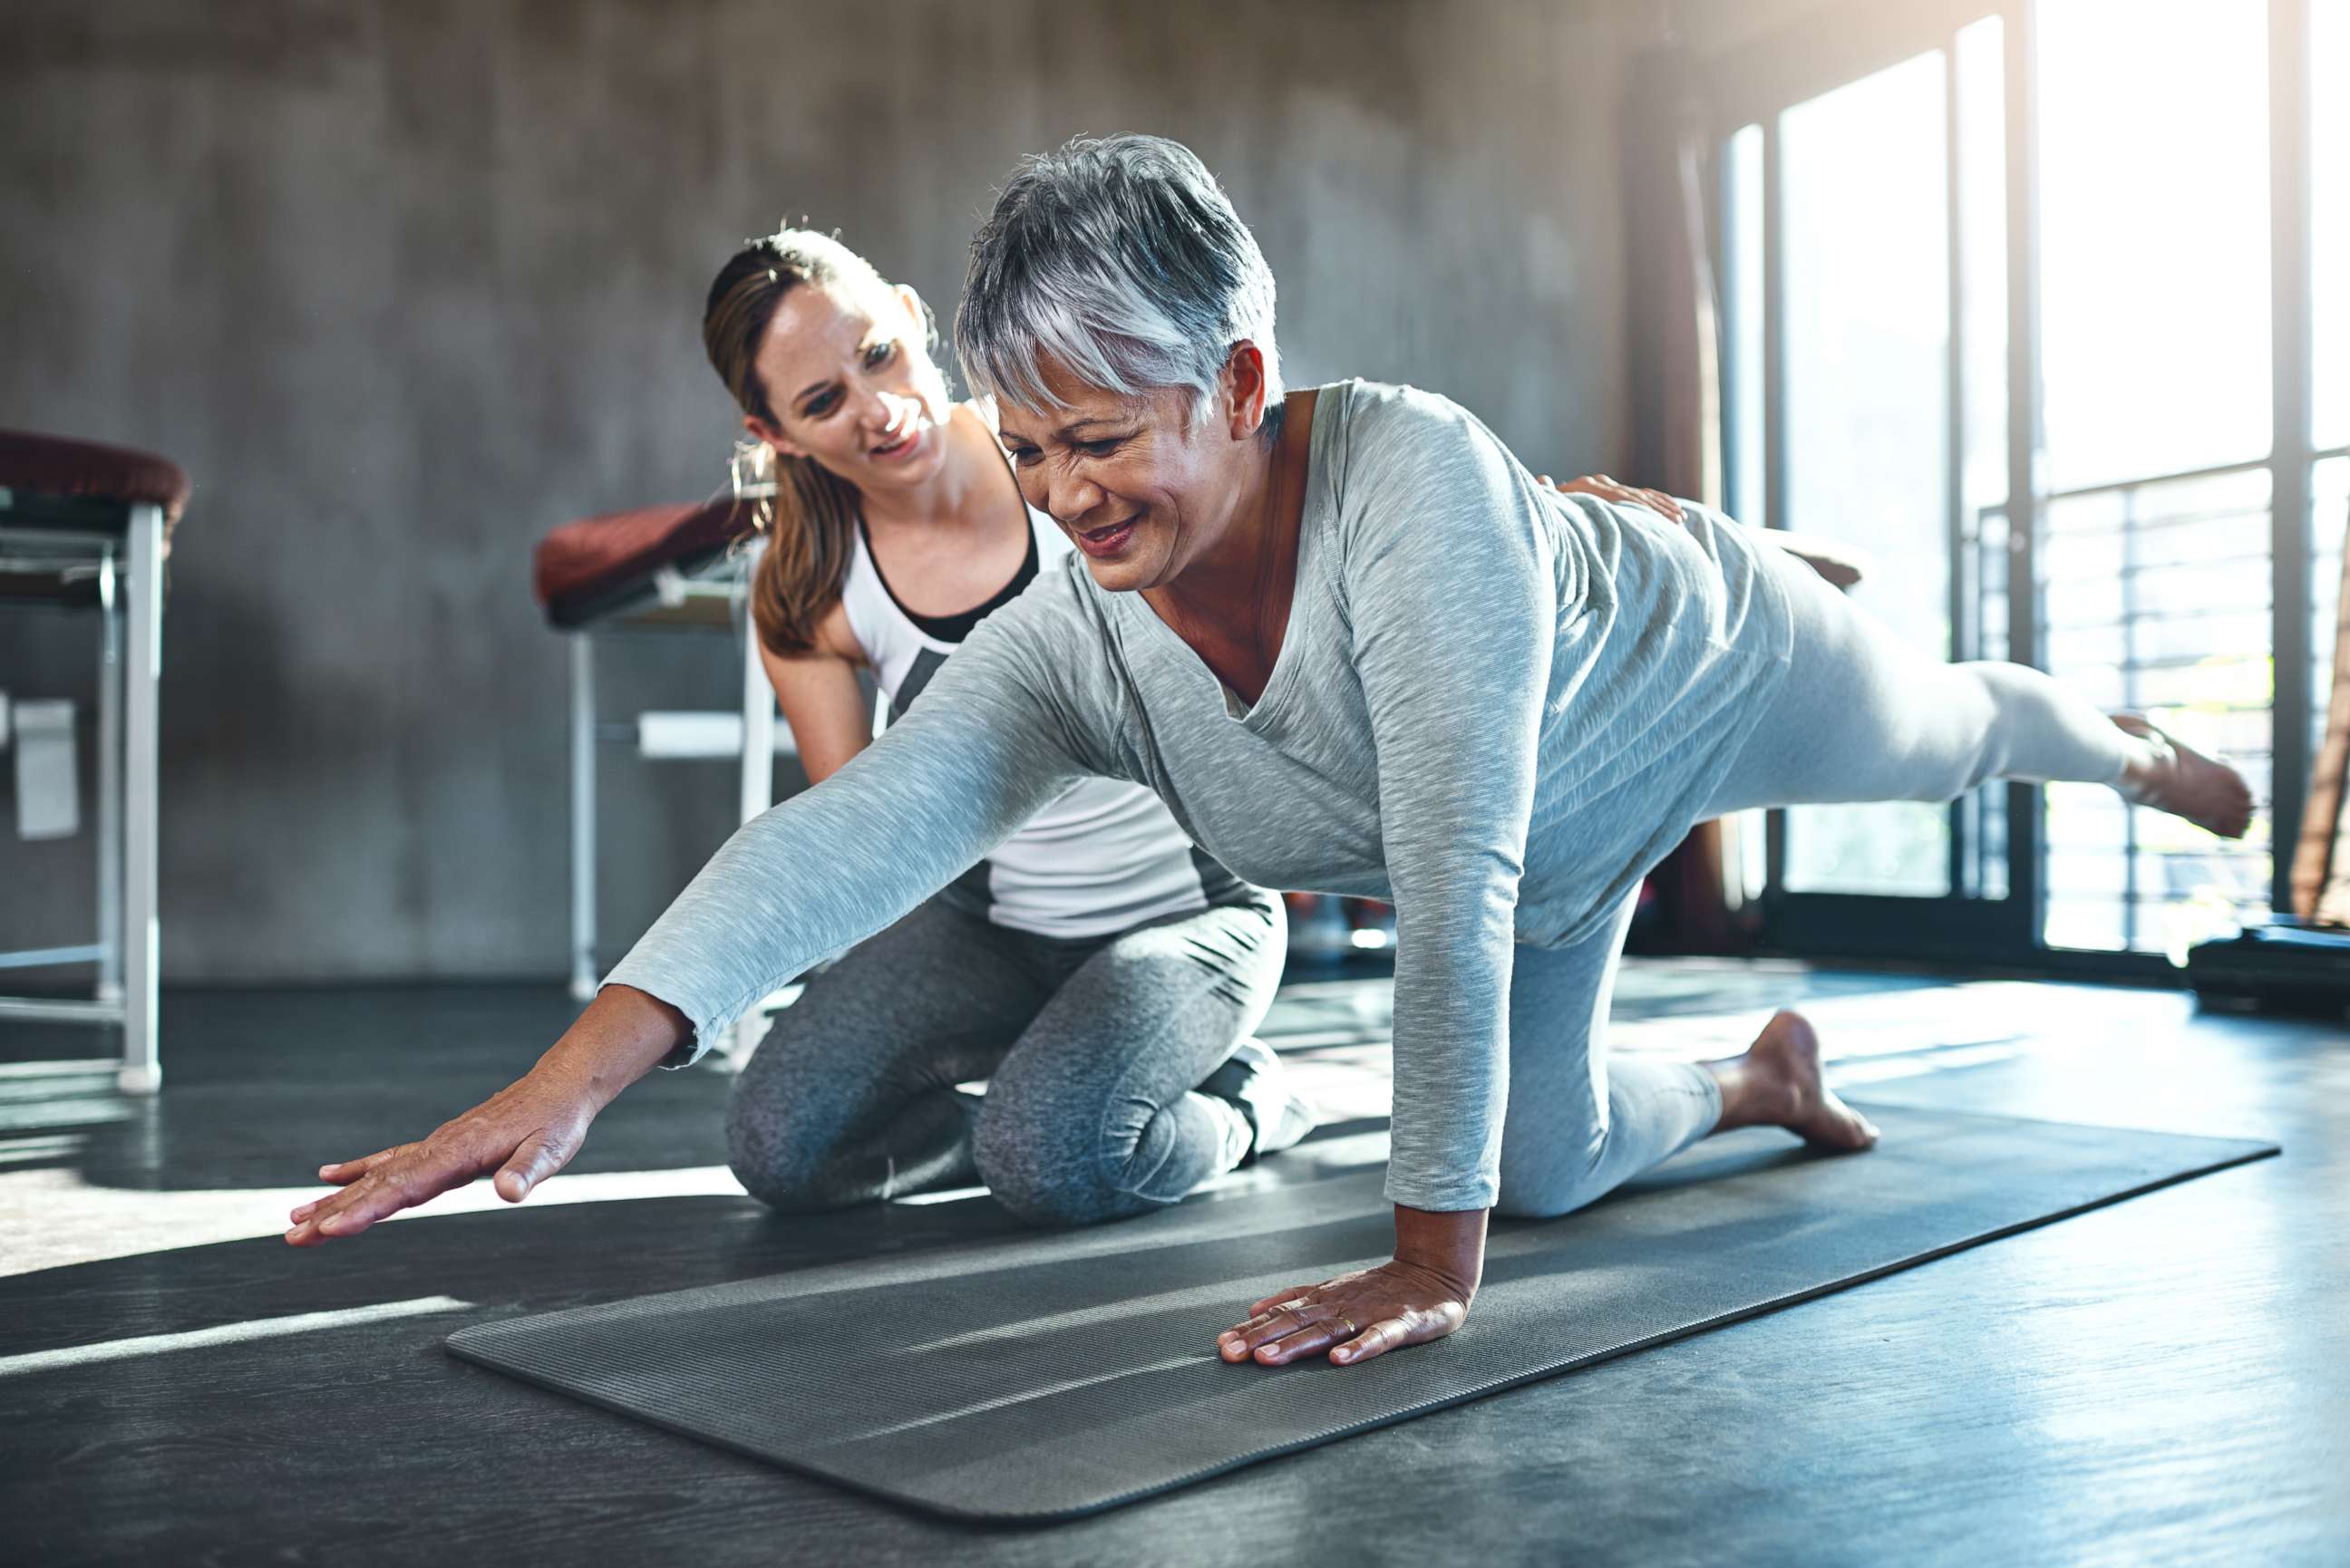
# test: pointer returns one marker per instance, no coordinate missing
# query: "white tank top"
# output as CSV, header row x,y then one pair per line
x,y
1103,856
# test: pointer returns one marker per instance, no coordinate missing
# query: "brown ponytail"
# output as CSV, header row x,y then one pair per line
x,y
811,522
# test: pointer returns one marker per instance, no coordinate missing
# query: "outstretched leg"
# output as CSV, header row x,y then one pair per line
x,y
1862,716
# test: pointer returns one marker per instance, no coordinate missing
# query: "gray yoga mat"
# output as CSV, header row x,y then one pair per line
x,y
1047,1378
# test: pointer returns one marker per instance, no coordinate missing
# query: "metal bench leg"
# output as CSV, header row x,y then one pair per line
x,y
142,1067
758,732
583,818
110,781
758,772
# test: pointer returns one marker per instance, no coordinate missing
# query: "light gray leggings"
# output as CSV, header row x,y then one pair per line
x,y
1860,717
1092,1048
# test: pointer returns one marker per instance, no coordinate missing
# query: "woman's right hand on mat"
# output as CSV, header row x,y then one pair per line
x,y
524,1133
1421,1293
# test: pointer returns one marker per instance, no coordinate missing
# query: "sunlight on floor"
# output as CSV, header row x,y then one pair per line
x,y
224,1334
119,1222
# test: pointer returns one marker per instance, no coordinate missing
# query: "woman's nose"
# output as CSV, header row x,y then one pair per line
x,y
1070,495
876,410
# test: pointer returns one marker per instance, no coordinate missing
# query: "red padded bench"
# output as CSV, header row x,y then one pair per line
x,y
598,568
55,494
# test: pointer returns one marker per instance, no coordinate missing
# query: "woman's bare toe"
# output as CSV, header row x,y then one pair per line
x,y
2182,781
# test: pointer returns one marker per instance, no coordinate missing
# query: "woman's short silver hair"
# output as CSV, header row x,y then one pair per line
x,y
1122,259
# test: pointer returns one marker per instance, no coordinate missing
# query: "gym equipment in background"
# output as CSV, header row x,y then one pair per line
x,y
677,568
86,529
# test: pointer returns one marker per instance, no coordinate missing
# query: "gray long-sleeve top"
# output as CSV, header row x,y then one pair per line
x,y
1494,705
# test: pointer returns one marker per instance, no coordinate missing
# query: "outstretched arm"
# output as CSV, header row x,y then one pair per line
x,y
983,751
820,872
520,1136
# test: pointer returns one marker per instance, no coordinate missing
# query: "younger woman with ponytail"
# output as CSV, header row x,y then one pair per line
x,y
1101,972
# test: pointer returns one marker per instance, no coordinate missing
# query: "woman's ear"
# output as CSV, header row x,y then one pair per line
x,y
1243,388
917,309
761,431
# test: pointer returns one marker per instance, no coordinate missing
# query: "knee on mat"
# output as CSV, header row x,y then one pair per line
x,y
1535,1189
1039,1173
761,1150
1535,1205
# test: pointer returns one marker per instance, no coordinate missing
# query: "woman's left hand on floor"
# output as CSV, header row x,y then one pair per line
x,y
1622,494
1354,1317
520,1136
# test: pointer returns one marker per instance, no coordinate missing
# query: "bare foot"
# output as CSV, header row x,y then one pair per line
x,y
1777,1084
2185,782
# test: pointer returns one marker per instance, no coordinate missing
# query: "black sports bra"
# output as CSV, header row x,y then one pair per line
x,y
957,626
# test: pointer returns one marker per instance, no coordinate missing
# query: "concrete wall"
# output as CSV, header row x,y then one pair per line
x,y
404,284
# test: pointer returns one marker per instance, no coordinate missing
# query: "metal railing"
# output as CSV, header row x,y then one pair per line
x,y
2173,568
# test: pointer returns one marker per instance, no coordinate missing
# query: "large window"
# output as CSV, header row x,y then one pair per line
x,y
1872,357
2155,361
1867,384
2154,236
2329,74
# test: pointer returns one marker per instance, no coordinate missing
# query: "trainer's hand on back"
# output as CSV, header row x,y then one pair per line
x,y
519,1136
1622,494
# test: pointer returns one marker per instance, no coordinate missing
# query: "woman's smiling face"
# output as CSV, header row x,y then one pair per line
x,y
1139,486
852,386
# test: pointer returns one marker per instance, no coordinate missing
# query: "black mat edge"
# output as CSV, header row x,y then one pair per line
x,y
2246,1152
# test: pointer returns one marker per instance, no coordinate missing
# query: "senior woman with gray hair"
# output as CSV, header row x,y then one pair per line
x,y
1357,648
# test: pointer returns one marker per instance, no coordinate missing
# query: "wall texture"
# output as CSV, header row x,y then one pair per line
x,y
402,285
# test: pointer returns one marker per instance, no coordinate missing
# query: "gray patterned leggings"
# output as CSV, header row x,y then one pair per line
x,y
1092,1048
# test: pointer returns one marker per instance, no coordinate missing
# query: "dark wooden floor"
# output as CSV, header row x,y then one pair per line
x,y
2165,1380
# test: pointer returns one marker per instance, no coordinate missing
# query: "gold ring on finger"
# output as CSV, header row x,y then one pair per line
x,y
1351,1330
